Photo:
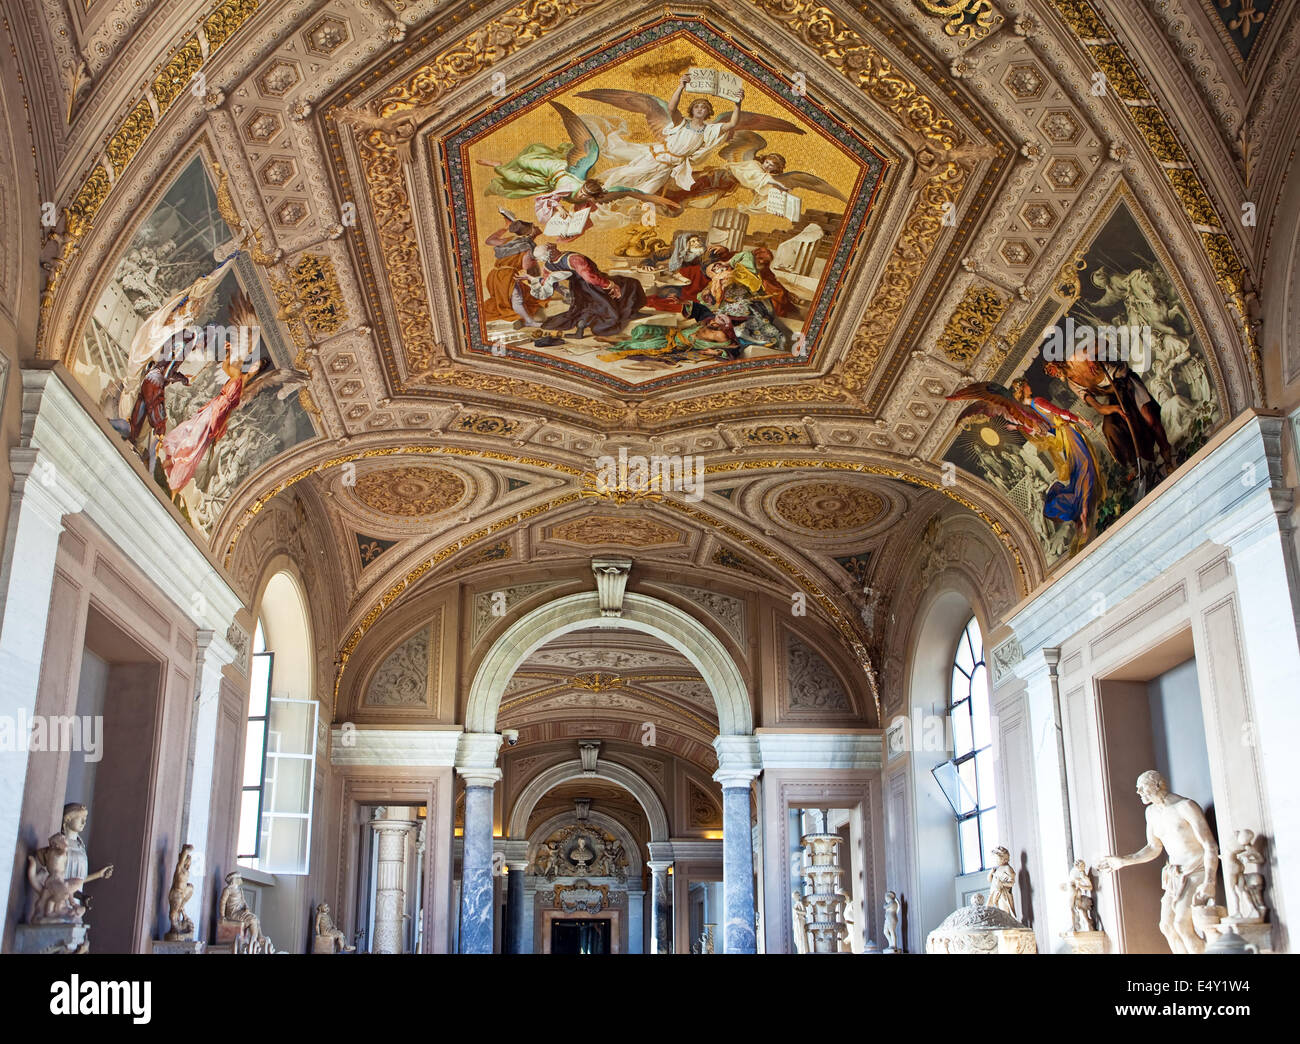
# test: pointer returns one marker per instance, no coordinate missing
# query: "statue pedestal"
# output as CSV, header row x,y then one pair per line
x,y
176,946
51,938
1085,942
326,944
227,931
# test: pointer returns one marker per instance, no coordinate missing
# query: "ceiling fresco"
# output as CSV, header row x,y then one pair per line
x,y
1083,433
908,196
692,232
179,360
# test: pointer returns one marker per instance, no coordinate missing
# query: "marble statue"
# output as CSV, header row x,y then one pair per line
x,y
1243,879
239,921
1176,826
846,940
800,923
180,893
58,872
1079,885
55,898
891,923
608,863
328,939
544,863
1002,879
74,822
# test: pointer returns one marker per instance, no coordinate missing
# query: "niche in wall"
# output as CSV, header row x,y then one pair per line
x,y
1151,718
122,682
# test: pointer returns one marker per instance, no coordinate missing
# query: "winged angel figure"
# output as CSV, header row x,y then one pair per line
x,y
748,166
558,178
1057,434
680,141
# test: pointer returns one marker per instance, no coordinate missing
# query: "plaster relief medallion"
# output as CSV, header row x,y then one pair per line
x,y
826,510
670,209
410,492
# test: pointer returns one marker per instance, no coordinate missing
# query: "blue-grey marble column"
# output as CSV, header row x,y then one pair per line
x,y
661,909
513,939
737,872
476,868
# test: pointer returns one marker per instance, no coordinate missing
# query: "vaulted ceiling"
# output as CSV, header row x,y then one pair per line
x,y
963,157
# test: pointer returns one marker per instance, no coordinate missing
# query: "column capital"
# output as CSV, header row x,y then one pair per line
x,y
476,756
394,826
739,760
480,777
38,481
1038,665
658,866
736,778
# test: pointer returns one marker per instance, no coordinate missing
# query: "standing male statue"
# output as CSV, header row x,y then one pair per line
x,y
1175,825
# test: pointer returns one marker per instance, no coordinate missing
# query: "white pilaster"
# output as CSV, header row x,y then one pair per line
x,y
41,496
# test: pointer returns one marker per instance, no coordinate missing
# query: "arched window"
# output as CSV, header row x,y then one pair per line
x,y
259,706
972,739
280,740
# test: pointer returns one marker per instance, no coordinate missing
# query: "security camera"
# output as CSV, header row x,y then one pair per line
x,y
511,736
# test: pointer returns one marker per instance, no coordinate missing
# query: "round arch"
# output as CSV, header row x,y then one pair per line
x,y
281,609
669,624
606,770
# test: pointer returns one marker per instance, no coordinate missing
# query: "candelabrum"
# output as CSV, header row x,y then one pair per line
x,y
824,902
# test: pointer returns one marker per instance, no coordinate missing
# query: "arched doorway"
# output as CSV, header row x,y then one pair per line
x,y
731,739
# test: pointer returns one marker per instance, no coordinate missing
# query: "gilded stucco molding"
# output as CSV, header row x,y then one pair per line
x,y
1230,272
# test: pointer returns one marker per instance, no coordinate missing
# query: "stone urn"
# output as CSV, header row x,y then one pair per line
x,y
980,929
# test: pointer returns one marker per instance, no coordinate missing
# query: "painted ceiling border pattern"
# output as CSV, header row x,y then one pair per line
x,y
1107,53
215,30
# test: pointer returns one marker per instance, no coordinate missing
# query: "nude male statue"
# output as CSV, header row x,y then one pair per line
x,y
1176,826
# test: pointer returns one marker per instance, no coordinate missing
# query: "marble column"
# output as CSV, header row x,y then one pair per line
x,y
39,499
529,915
391,836
513,940
661,910
635,920
738,932
476,889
